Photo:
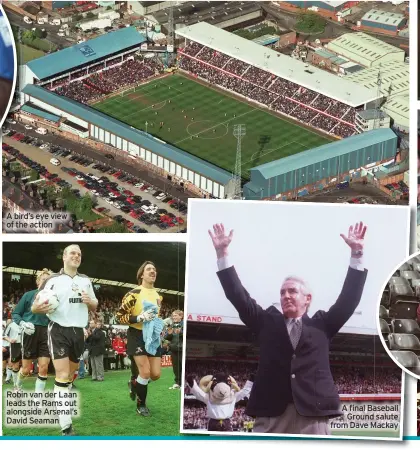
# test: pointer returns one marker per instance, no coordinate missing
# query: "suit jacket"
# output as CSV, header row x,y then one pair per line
x,y
284,375
97,342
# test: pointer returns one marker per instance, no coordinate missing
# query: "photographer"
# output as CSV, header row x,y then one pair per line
x,y
175,337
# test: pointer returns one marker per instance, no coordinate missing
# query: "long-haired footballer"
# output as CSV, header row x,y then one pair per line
x,y
139,308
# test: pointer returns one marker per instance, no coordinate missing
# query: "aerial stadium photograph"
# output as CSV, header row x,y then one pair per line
x,y
125,110
91,348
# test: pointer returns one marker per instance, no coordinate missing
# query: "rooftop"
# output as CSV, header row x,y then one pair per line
x,y
320,154
86,52
362,45
395,78
129,133
278,64
383,17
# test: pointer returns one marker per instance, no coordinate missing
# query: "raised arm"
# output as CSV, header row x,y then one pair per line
x,y
249,311
354,283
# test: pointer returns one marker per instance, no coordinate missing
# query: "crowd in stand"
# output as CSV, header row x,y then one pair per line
x,y
349,380
85,88
195,418
286,97
109,302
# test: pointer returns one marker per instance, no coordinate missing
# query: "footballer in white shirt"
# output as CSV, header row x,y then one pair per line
x,y
66,339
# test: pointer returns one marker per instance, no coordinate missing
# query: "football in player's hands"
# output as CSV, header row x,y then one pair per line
x,y
49,297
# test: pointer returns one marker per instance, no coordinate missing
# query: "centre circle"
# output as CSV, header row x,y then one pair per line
x,y
204,129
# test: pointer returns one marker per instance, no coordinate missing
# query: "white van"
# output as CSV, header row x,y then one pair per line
x,y
42,21
55,161
55,22
26,19
41,131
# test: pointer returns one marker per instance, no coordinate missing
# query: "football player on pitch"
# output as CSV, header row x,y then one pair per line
x,y
34,335
66,339
132,313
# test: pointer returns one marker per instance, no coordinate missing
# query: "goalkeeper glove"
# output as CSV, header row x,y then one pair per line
x,y
27,327
146,316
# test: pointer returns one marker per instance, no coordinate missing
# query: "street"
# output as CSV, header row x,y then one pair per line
x,y
52,30
43,157
118,163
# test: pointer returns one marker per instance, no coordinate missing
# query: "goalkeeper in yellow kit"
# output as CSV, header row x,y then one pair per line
x,y
140,307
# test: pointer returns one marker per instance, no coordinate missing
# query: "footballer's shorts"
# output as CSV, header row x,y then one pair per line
x,y
6,354
136,346
15,352
65,342
35,345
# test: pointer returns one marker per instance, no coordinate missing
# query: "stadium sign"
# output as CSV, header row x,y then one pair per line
x,y
87,51
205,318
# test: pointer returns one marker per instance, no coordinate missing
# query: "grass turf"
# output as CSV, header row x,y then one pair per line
x,y
26,54
106,409
268,137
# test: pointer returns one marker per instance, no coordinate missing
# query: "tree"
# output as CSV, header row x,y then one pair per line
x,y
77,18
109,8
28,35
38,33
90,15
34,175
86,204
310,22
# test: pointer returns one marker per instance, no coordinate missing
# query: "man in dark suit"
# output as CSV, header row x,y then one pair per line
x,y
294,391
97,351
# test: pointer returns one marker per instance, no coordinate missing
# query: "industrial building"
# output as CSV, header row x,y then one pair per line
x,y
394,87
398,107
330,164
385,22
365,50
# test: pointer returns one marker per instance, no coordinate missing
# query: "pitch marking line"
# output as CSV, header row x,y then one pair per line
x,y
216,125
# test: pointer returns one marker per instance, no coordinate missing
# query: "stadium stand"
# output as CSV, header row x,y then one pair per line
x,y
314,98
359,380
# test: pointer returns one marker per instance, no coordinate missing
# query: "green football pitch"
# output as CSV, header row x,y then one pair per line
x,y
106,409
200,120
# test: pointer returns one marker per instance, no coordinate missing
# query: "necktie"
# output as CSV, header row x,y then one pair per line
x,y
295,332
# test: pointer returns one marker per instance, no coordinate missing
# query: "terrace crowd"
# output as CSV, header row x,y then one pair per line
x,y
101,81
307,106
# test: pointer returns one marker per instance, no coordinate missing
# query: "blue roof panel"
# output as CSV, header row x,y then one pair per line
x,y
40,113
132,135
86,52
320,154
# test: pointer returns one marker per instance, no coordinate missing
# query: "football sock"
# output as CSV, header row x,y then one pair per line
x,y
9,373
64,412
40,384
141,388
20,378
15,376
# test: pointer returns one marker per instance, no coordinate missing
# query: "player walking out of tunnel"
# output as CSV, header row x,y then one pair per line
x,y
66,337
140,309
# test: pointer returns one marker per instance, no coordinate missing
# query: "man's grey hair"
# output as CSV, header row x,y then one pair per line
x,y
304,287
